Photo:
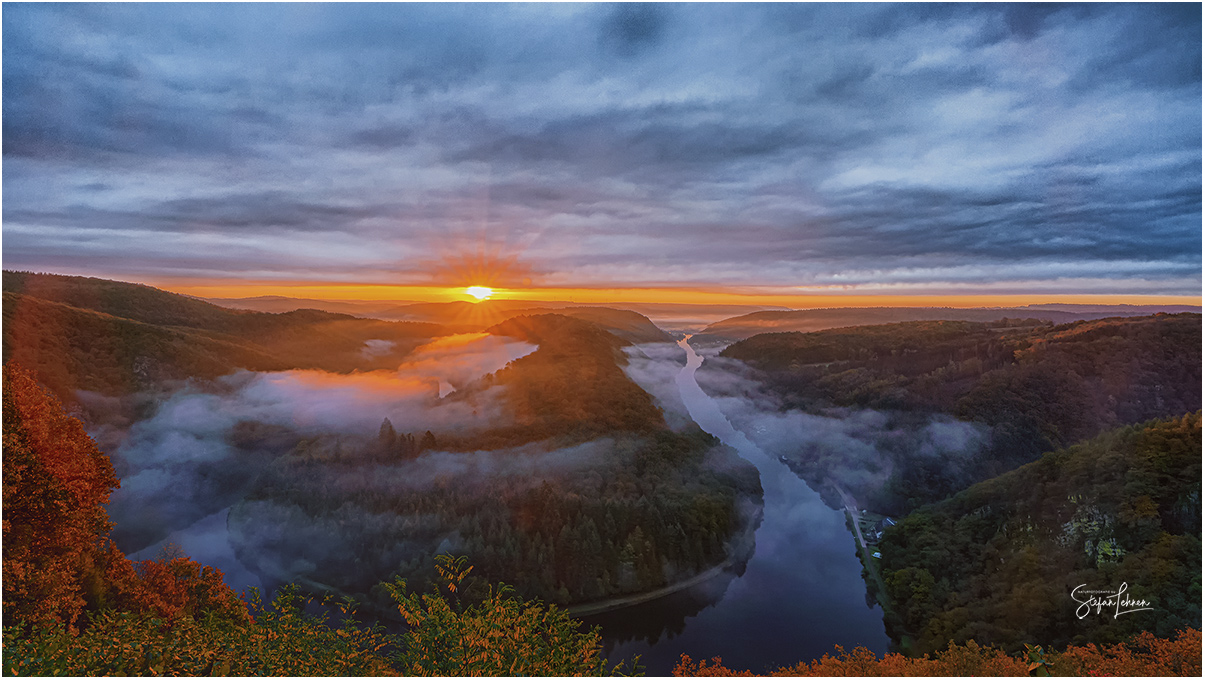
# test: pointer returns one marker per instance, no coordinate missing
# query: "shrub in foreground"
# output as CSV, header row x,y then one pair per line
x,y
1143,655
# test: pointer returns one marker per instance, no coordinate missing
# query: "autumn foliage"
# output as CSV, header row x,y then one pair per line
x,y
1144,655
172,587
55,529
58,559
75,605
496,634
280,640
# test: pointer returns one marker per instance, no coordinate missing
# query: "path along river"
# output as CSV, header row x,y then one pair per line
x,y
799,595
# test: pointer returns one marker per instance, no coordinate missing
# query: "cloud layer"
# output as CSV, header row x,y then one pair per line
x,y
907,148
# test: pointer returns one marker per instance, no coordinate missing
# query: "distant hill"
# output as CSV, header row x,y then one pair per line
x,y
473,316
116,338
388,310
1117,310
689,318
278,303
741,327
70,349
665,315
999,561
126,300
624,324
1030,388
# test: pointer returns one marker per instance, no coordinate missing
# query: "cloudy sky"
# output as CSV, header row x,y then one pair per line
x,y
790,149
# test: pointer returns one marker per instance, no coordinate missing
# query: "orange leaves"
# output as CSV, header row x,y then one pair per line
x,y
1144,655
688,668
55,480
57,557
172,588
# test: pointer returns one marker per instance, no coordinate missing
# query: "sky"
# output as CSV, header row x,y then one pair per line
x,y
677,152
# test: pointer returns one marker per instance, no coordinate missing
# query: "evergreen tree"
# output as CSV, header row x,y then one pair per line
x,y
387,436
428,442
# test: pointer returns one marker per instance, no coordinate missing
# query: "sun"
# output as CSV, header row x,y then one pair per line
x,y
479,292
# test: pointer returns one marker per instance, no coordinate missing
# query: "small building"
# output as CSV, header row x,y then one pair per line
x,y
875,533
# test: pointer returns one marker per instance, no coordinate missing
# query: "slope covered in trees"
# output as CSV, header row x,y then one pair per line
x,y
116,338
811,320
624,324
573,387
55,482
469,316
89,611
59,563
609,500
1031,387
581,493
75,605
999,562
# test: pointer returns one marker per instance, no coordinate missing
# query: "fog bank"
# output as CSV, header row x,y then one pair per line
x,y
206,442
854,449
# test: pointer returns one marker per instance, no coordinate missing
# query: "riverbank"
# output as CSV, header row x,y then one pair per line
x,y
870,565
614,603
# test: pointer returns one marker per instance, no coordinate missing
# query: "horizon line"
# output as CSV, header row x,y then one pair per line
x,y
646,295
673,296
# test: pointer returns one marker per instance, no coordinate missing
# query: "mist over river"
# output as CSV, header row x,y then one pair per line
x,y
799,595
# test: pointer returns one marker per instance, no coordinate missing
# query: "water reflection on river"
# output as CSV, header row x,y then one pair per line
x,y
799,595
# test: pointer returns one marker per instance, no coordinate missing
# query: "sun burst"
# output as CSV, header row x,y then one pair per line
x,y
479,292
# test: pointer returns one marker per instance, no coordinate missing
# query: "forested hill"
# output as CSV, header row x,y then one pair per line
x,y
579,493
622,323
573,385
808,320
477,316
94,612
628,323
998,562
1029,387
116,338
1099,373
132,301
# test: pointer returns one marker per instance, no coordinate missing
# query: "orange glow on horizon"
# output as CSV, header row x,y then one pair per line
x,y
375,292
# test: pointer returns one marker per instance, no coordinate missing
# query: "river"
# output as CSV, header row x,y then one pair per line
x,y
799,595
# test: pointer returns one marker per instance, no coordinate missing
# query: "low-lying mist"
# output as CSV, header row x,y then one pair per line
x,y
856,450
205,443
654,366
861,451
284,540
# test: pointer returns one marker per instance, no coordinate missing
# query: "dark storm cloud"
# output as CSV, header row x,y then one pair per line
x,y
1057,147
